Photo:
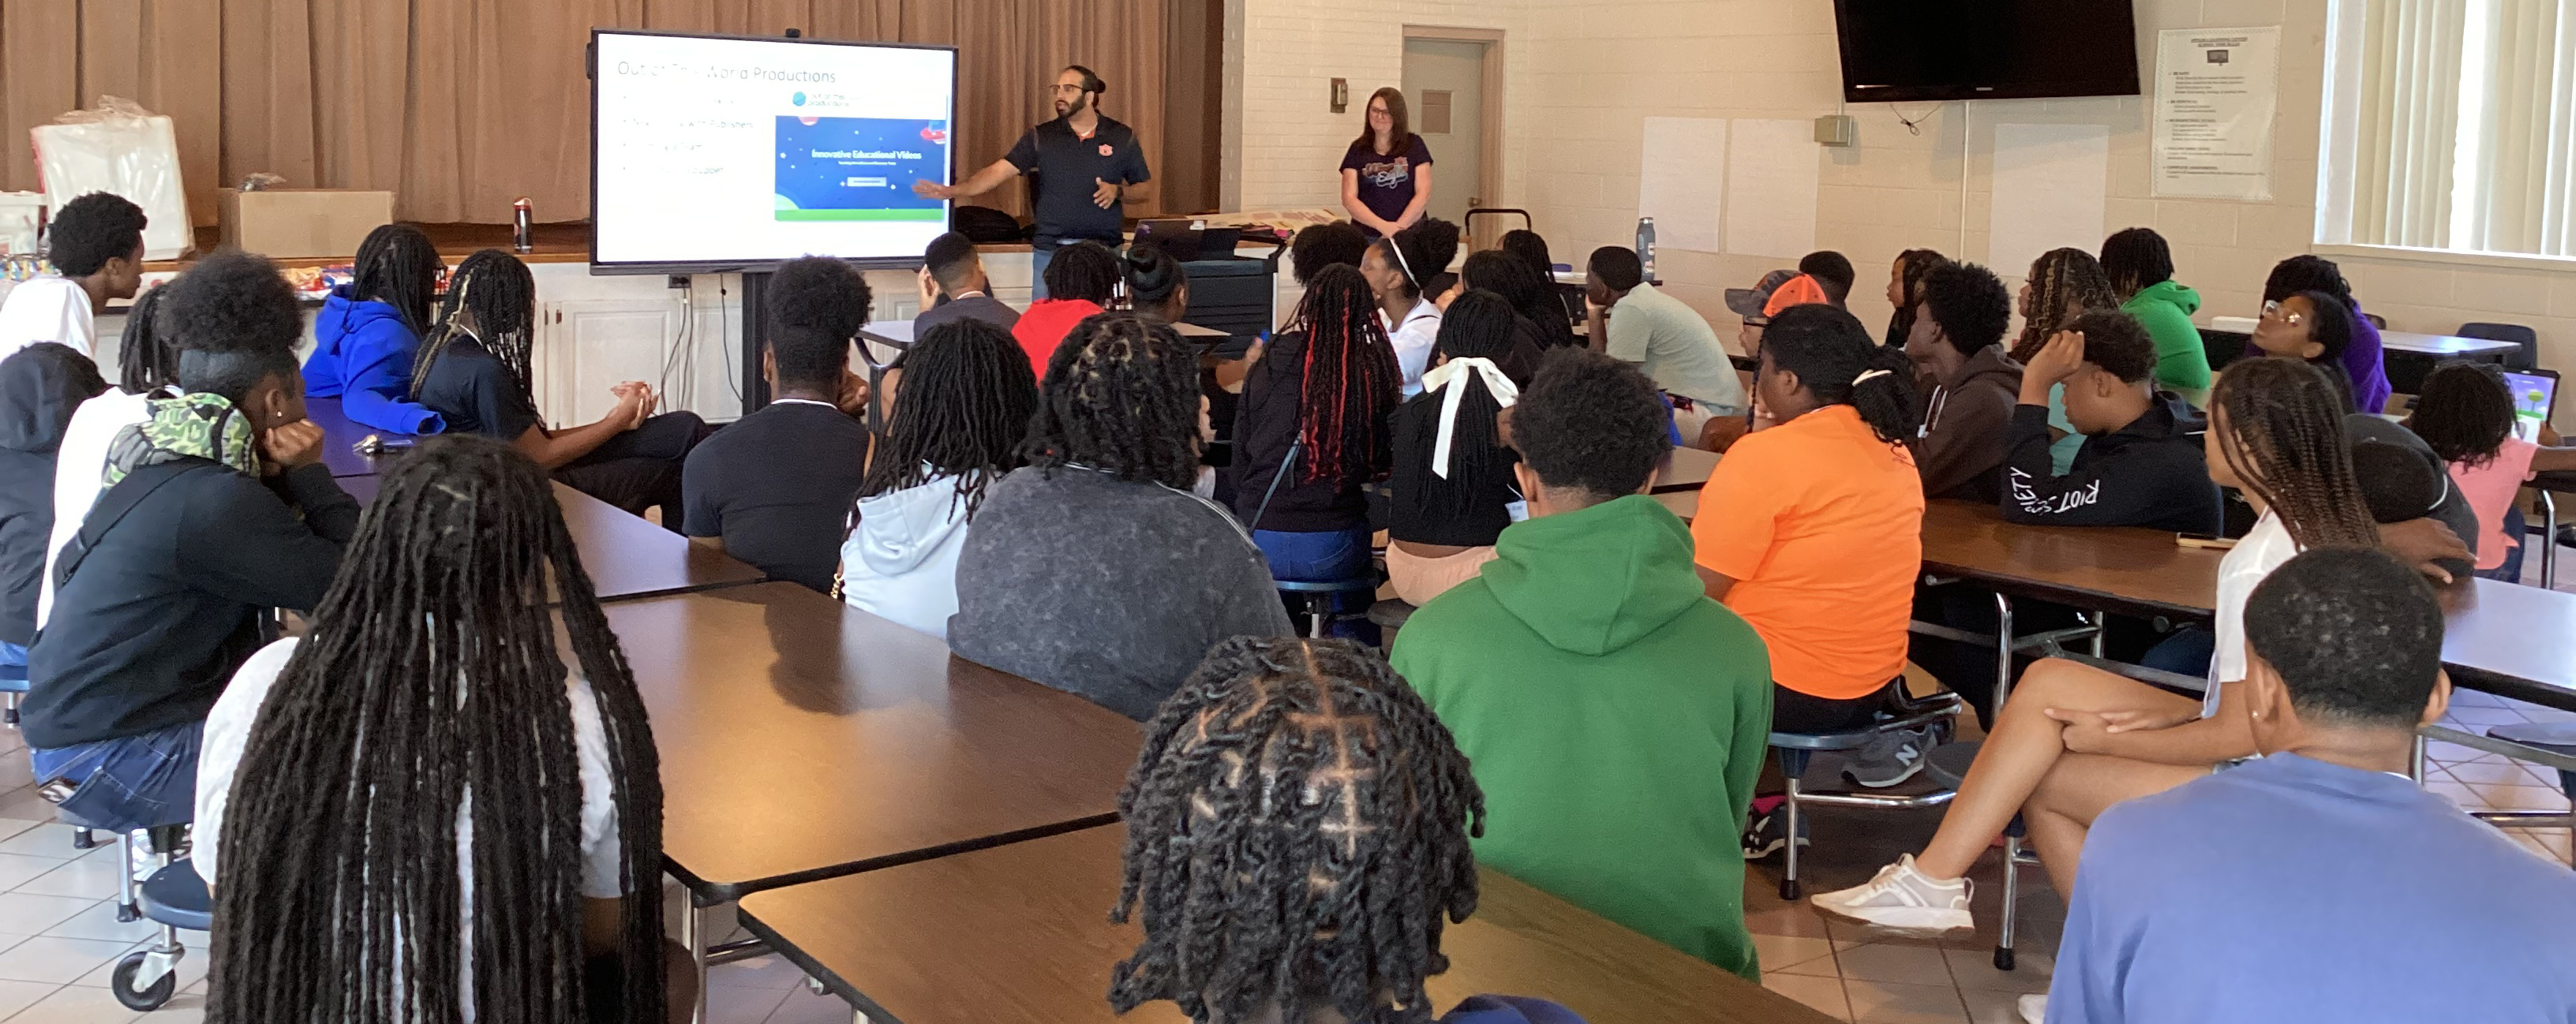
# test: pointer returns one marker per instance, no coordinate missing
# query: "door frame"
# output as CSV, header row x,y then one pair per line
x,y
1489,167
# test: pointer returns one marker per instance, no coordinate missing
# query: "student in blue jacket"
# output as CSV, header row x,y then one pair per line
x,y
369,333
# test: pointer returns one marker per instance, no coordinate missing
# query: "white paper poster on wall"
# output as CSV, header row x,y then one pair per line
x,y
1771,175
2216,89
1681,180
2050,183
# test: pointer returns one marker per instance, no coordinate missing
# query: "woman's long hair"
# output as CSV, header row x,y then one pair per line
x,y
1121,396
398,266
147,357
1530,295
1919,264
1399,135
968,393
1348,382
2064,283
434,668
503,297
1478,325
2283,435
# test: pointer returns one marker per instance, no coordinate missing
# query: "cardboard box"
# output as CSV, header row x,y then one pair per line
x,y
301,223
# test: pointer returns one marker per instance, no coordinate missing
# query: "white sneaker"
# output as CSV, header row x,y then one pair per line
x,y
2034,1009
1903,898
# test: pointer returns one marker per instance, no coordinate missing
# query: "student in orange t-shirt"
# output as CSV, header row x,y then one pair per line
x,y
1811,528
1080,281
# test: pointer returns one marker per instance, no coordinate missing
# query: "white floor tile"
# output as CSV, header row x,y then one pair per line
x,y
99,922
57,960
729,1005
31,914
49,839
192,965
804,1007
76,1005
17,869
12,826
93,877
19,995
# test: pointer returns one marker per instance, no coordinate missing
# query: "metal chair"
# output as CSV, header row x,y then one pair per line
x,y
2528,339
2536,742
175,898
13,687
1795,749
1948,764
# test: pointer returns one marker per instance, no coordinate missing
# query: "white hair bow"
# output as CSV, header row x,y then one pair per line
x,y
1456,372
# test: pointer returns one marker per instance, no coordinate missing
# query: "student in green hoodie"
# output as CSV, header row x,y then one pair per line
x,y
1616,717
2141,268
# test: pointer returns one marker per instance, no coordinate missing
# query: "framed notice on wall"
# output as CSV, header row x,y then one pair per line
x,y
2216,90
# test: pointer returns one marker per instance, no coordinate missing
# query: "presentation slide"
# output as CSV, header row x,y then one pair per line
x,y
721,151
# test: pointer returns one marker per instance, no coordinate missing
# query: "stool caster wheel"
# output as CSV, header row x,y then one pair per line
x,y
1790,890
121,982
2003,958
83,840
127,913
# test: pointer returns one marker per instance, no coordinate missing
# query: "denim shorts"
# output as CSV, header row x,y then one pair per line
x,y
130,782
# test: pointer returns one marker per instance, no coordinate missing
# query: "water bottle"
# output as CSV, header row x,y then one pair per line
x,y
1646,246
522,229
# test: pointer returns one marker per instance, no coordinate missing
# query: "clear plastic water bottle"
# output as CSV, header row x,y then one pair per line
x,y
1646,245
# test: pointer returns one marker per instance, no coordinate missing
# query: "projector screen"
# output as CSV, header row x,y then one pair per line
x,y
724,153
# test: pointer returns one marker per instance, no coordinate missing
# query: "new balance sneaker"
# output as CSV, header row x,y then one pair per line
x,y
1770,831
2034,1009
1890,758
1902,898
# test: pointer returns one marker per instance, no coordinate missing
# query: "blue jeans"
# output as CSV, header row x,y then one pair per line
x,y
2519,529
1323,558
13,661
2187,652
130,782
1041,253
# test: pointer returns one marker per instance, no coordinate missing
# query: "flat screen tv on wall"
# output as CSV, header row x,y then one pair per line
x,y
1931,50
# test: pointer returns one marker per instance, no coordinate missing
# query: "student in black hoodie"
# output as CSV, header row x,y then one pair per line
x,y
2141,463
40,385
1956,348
197,534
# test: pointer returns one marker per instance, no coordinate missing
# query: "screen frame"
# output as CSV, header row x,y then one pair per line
x,y
590,68
2548,416
1854,93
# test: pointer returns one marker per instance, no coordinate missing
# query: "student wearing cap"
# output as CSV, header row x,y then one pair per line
x,y
1635,322
1778,290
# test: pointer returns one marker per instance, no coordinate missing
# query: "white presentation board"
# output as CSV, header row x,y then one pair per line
x,y
721,152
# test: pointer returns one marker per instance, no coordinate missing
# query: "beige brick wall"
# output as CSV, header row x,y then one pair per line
x,y
1585,73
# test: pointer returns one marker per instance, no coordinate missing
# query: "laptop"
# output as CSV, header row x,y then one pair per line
x,y
2535,397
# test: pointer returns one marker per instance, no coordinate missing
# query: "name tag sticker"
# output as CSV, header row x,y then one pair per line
x,y
1518,510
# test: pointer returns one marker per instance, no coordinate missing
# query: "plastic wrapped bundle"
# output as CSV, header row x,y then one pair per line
x,y
124,149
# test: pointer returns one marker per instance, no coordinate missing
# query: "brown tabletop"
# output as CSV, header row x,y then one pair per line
x,y
340,436
2123,570
1686,469
1021,933
803,739
627,557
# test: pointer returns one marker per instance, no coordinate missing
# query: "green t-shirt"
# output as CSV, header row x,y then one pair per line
x,y
1676,349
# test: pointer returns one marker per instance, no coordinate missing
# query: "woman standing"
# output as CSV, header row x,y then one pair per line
x,y
1386,176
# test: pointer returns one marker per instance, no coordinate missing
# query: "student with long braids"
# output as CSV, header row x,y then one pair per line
x,y
430,807
368,336
2063,284
2140,266
475,373
1452,492
1905,290
953,431
1094,569
2074,739
1399,269
147,367
2361,357
1311,430
1258,900
1081,281
1542,324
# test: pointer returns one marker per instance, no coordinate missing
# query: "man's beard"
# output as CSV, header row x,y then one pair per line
x,y
1068,109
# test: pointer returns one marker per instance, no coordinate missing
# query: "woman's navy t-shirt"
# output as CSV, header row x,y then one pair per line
x,y
1386,182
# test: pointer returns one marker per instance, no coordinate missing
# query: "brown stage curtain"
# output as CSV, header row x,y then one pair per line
x,y
460,106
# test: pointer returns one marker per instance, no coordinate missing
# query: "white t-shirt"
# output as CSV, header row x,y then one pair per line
x,y
48,308
2262,550
80,465
1413,340
228,727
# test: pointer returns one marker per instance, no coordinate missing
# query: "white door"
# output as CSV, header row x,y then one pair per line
x,y
586,346
1444,90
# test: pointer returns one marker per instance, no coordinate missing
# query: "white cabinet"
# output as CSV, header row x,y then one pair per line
x,y
585,346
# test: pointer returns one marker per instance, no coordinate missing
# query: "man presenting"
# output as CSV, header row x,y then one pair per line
x,y
1083,163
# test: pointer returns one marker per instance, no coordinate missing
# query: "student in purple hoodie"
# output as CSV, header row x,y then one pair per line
x,y
1297,807
2361,355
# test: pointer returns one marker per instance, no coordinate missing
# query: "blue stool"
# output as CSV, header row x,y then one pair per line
x,y
1796,748
176,898
13,686
1948,764
1320,598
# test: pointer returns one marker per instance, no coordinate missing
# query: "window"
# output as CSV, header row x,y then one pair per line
x,y
2451,124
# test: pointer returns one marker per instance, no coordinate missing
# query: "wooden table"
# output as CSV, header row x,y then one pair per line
x,y
340,437
1685,469
1021,933
627,557
2124,571
2446,346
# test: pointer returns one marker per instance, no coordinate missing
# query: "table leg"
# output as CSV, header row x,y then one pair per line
x,y
2548,542
2101,631
2003,655
2415,761
693,935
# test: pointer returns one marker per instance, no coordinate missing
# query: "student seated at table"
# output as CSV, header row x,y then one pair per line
x,y
1811,528
954,429
368,337
1586,661
2318,882
217,509
1531,248
774,488
1337,243
1156,284
2062,284
2314,328
1632,320
2361,355
1957,350
431,762
2141,460
1905,290
1541,322
1311,430
1081,281
475,372
1400,269
147,366
2140,266
1093,569
953,287
2074,739
2467,415
1452,490
95,244
1833,272
1316,885
40,385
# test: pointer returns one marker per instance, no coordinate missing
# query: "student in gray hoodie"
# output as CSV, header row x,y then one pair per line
x,y
1095,570
1956,346
40,385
